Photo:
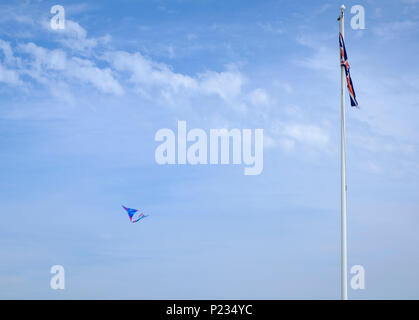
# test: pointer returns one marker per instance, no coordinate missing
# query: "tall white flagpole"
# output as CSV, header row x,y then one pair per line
x,y
344,289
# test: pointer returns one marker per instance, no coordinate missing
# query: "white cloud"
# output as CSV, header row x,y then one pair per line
x,y
146,73
61,70
395,29
43,58
271,27
307,134
74,37
9,76
87,72
7,51
259,97
48,66
323,59
227,84
293,134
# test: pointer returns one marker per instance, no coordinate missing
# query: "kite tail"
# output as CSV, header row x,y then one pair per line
x,y
142,216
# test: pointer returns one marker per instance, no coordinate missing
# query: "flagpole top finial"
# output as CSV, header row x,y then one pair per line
x,y
342,8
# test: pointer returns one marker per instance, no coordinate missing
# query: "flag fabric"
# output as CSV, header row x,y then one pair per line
x,y
344,62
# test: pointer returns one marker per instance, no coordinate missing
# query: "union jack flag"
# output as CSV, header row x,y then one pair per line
x,y
344,62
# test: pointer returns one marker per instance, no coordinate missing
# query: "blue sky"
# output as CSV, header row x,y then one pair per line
x,y
80,108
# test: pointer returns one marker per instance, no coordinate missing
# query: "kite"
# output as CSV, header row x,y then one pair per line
x,y
132,213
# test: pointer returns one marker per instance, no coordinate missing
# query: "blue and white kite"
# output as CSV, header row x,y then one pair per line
x,y
133,214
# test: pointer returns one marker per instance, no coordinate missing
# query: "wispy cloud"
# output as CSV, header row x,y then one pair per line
x,y
391,30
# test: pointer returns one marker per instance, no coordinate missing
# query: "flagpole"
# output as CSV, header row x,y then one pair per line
x,y
344,289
